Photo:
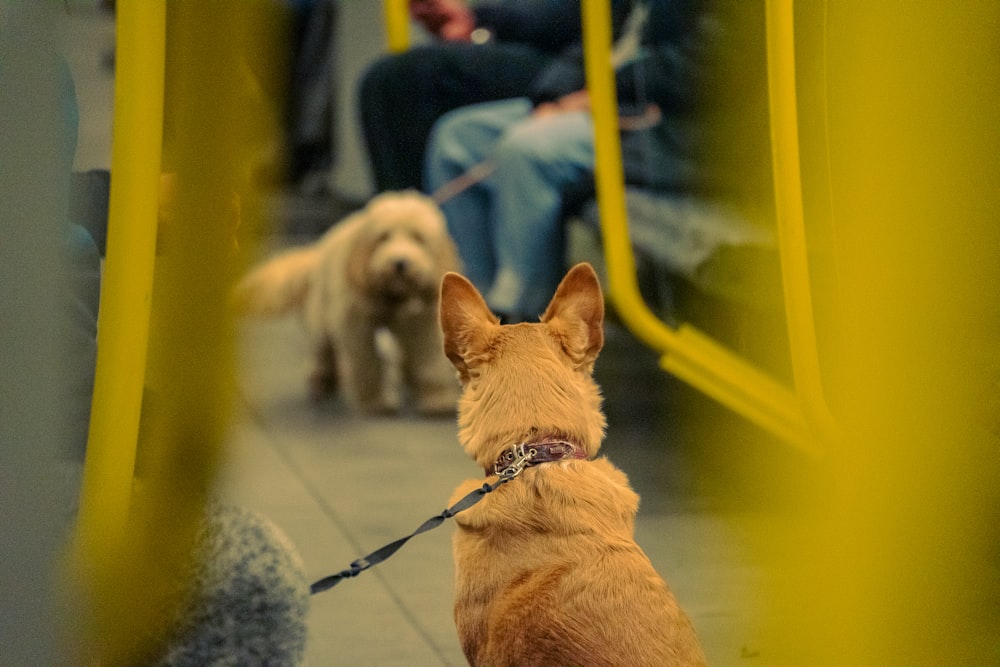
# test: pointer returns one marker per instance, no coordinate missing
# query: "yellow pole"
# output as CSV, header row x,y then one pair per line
x,y
123,323
789,214
691,356
894,561
609,174
397,24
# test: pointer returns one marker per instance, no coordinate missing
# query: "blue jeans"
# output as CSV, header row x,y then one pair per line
x,y
508,228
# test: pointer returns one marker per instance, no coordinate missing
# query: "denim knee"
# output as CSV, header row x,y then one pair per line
x,y
521,147
450,140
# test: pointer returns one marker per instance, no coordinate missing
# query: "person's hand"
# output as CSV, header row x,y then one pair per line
x,y
580,101
450,20
576,101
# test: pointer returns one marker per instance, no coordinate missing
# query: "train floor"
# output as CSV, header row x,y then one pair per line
x,y
341,485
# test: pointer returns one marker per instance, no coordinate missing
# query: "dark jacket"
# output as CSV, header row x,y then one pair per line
x,y
665,72
551,26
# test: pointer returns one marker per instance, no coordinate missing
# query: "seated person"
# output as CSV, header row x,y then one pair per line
x,y
508,227
491,51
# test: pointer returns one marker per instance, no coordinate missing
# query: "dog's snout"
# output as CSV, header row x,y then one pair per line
x,y
400,265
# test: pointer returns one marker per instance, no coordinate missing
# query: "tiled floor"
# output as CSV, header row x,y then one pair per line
x,y
341,486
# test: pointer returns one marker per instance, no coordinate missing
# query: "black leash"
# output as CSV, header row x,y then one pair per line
x,y
520,460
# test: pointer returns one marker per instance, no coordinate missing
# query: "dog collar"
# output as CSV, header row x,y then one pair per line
x,y
524,454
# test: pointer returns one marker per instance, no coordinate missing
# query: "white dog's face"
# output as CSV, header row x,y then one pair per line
x,y
403,249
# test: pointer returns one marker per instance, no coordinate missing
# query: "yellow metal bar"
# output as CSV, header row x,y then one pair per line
x,y
123,325
711,368
693,357
397,24
789,214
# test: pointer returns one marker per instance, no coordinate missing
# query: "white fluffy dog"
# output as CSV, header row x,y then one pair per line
x,y
377,270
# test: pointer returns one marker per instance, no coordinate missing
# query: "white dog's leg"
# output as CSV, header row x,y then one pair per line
x,y
388,350
362,370
323,380
427,372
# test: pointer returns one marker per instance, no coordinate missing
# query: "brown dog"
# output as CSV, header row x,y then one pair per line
x,y
547,569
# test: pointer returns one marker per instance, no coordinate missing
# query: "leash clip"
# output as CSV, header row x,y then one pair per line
x,y
515,460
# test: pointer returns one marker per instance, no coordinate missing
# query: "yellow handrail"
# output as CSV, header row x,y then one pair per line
x,y
690,355
397,24
789,214
126,293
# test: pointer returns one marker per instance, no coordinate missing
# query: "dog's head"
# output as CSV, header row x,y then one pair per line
x,y
530,379
402,248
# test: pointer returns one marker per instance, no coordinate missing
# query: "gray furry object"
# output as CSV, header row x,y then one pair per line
x,y
249,597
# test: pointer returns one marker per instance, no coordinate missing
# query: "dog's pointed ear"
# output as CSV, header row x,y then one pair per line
x,y
466,322
576,315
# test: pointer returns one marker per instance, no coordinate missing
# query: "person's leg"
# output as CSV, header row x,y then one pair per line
x,y
401,96
311,97
534,163
462,139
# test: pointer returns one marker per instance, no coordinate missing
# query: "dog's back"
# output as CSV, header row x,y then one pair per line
x,y
548,571
281,285
549,574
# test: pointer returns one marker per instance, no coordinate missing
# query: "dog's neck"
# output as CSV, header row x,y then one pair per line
x,y
534,451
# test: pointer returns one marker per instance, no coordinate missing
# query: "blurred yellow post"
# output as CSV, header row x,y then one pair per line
x,y
126,294
898,563
397,24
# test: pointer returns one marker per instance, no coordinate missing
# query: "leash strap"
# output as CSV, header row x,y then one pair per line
x,y
462,182
379,555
